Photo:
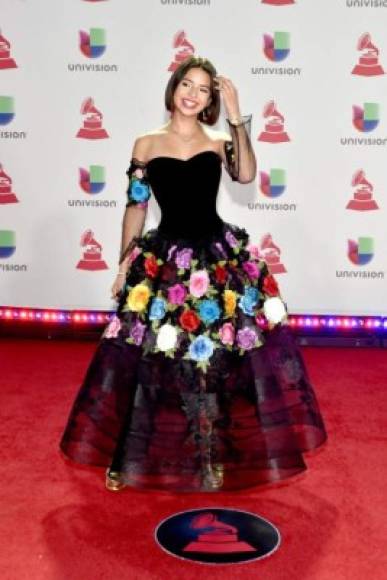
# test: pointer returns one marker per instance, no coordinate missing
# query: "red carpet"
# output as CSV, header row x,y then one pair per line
x,y
59,523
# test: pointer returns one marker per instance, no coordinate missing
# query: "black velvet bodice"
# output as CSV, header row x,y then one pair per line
x,y
186,192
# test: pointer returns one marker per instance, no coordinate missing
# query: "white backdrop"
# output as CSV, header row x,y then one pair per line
x,y
46,75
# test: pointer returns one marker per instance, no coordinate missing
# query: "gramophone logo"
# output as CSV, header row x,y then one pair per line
x,y
7,243
6,61
366,119
361,252
368,65
183,47
271,253
276,47
92,180
214,536
92,253
362,199
7,111
273,184
92,122
92,44
278,2
6,193
217,535
274,127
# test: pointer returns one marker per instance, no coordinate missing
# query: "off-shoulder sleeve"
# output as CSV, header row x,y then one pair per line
x,y
239,151
139,190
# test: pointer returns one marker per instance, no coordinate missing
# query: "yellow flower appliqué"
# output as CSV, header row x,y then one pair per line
x,y
138,297
229,297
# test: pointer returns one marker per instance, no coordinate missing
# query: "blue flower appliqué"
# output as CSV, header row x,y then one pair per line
x,y
201,348
209,311
138,191
157,309
249,300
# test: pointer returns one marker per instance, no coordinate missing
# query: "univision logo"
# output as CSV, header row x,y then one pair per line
x,y
273,184
366,118
7,115
7,110
7,243
92,44
276,47
361,252
92,180
7,249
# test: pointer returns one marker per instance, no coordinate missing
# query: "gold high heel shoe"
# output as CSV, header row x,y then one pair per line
x,y
112,481
213,477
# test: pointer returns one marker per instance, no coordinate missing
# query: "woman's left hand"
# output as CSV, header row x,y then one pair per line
x,y
229,94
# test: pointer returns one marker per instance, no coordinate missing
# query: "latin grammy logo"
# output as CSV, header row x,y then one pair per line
x,y
272,255
6,193
92,253
215,536
363,195
274,128
185,49
368,64
6,61
92,122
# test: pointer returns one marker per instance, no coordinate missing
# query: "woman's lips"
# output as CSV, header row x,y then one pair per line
x,y
189,104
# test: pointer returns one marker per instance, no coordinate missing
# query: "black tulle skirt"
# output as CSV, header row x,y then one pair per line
x,y
194,385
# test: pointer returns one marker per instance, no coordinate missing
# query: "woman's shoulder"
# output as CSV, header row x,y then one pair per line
x,y
143,143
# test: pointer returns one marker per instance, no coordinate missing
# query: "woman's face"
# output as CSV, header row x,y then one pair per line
x,y
193,93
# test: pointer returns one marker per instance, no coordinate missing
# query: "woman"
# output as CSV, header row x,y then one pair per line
x,y
197,383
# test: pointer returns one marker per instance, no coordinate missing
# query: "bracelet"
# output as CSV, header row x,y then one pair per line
x,y
121,274
235,121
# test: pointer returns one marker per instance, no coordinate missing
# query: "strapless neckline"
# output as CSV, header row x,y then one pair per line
x,y
178,159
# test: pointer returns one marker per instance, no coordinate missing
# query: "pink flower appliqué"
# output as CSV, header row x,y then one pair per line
x,y
113,328
252,269
177,294
227,333
134,253
198,283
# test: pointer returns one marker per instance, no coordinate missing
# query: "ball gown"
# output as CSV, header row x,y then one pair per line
x,y
197,382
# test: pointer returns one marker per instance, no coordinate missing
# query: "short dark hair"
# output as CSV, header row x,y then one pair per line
x,y
213,109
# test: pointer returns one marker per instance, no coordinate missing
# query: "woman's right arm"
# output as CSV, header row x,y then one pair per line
x,y
136,209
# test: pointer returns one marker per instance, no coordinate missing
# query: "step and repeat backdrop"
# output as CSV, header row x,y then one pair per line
x,y
80,79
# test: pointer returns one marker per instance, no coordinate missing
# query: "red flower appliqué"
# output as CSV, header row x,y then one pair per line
x,y
220,274
151,266
270,286
189,320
